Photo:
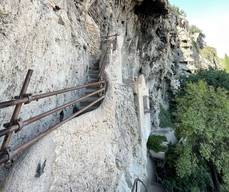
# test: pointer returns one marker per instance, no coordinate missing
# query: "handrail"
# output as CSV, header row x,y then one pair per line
x,y
107,36
21,124
10,154
135,185
15,125
28,98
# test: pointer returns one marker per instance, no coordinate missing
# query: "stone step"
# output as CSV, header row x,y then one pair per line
x,y
89,100
91,75
93,72
90,90
93,59
94,67
90,109
86,103
93,79
92,98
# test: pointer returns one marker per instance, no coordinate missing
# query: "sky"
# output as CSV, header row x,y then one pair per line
x,y
212,17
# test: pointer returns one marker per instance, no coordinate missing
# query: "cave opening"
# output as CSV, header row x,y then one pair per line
x,y
152,8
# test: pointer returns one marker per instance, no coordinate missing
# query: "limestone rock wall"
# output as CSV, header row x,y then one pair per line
x,y
55,44
191,47
104,150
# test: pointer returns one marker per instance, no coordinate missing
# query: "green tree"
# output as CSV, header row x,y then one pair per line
x,y
178,11
215,78
200,160
202,155
194,29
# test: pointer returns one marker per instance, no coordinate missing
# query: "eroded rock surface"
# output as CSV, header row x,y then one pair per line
x,y
104,150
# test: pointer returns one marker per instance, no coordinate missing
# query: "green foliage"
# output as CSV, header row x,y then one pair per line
x,y
202,128
226,63
178,11
215,78
202,116
202,120
165,118
155,143
198,180
194,29
210,54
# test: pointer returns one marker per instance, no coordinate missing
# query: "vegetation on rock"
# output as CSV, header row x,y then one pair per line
x,y
194,29
177,11
155,143
165,118
210,54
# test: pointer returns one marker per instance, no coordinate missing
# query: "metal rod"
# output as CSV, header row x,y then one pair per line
x,y
21,148
44,95
15,124
135,185
15,127
4,158
17,108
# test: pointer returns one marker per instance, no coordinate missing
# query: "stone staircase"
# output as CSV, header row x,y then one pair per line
x,y
93,76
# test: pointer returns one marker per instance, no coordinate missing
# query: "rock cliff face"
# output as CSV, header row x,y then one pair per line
x,y
193,53
107,147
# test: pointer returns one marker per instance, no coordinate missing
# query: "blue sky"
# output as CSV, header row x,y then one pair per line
x,y
212,16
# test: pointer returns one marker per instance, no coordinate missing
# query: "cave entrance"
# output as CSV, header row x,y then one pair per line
x,y
152,8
